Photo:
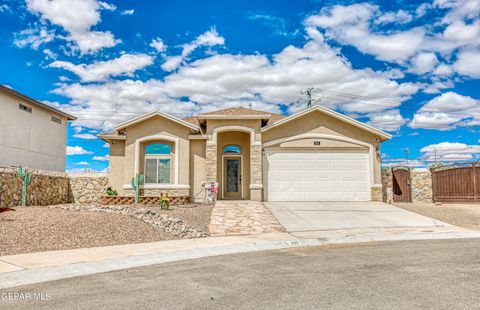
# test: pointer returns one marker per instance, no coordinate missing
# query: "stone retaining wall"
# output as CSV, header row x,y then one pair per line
x,y
49,188
421,182
46,188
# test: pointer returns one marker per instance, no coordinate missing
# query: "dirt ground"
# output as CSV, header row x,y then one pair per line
x,y
462,215
35,229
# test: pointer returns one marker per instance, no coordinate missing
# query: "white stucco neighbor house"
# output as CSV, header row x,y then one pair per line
x,y
32,134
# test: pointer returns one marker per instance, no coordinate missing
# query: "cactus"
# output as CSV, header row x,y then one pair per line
x,y
26,180
136,181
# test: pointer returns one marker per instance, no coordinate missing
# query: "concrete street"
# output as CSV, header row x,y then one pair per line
x,y
430,274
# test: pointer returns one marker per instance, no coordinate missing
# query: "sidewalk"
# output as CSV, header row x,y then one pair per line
x,y
23,269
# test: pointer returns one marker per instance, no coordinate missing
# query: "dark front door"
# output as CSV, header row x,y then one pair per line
x,y
402,190
232,179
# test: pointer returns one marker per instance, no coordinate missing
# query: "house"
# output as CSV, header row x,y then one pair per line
x,y
314,155
32,134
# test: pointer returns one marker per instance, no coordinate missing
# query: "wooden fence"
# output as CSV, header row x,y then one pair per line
x,y
456,184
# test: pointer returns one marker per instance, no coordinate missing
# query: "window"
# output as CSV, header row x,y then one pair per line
x,y
25,108
158,163
232,149
56,119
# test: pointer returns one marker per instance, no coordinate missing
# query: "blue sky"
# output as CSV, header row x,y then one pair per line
x,y
411,68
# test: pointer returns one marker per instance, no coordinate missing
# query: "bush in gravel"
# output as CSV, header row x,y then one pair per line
x,y
112,192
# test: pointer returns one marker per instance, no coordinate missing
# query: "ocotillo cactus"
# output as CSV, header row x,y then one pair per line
x,y
136,181
26,180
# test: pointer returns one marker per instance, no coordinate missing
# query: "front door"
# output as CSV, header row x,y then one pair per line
x,y
232,177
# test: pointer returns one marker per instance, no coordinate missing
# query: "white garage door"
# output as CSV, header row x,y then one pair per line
x,y
317,176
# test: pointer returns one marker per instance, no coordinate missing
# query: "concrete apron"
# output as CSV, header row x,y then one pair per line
x,y
23,269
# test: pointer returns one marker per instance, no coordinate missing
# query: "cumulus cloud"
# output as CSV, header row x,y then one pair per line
x,y
208,38
34,37
468,63
77,150
423,63
158,45
82,163
227,80
65,13
102,158
85,136
447,111
128,12
450,152
390,120
126,64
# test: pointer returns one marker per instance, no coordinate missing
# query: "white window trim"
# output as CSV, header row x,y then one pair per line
x,y
158,156
153,138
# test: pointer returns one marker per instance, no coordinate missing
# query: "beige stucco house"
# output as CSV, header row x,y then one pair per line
x,y
32,134
314,155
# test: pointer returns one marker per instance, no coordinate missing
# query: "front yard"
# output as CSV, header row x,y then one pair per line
x,y
34,229
462,215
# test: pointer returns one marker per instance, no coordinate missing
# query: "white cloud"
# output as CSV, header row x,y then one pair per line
x,y
5,8
102,158
208,38
158,45
400,17
450,152
423,63
227,80
106,144
350,25
78,129
390,120
76,18
447,111
77,150
82,163
468,63
33,37
128,12
85,136
126,64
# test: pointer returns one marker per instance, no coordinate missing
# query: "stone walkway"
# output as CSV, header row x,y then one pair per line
x,y
242,217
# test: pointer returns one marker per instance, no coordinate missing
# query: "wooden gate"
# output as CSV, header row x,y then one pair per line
x,y
456,184
402,189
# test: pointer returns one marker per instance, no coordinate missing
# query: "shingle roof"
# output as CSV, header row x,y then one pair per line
x,y
235,111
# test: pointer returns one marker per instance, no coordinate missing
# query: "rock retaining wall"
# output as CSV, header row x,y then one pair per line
x,y
50,188
421,182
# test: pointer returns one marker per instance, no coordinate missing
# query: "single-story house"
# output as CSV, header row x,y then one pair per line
x,y
314,155
32,133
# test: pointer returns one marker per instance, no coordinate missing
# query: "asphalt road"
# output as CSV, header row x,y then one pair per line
x,y
439,274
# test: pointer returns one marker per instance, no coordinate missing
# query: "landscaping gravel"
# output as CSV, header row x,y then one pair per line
x,y
462,215
34,229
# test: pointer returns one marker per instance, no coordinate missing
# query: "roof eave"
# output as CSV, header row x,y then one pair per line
x,y
385,136
234,116
155,113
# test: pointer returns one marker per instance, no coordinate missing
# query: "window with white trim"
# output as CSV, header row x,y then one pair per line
x,y
158,164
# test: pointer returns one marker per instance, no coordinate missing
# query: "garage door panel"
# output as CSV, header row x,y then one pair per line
x,y
318,176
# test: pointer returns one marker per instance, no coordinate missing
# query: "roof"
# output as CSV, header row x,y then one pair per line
x,y
112,135
15,93
235,113
332,113
143,117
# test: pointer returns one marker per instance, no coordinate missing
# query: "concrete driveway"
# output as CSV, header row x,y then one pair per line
x,y
304,218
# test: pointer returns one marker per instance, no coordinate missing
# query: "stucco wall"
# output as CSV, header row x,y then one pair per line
x,y
198,169
154,126
318,122
31,139
116,168
215,123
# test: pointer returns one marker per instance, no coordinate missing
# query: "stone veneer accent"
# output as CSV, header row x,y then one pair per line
x,y
421,180
211,162
255,164
183,192
88,188
46,188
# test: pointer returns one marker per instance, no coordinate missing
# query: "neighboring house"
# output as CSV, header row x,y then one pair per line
x,y
32,134
315,155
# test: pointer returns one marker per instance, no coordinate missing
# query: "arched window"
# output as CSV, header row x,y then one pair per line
x,y
158,163
232,149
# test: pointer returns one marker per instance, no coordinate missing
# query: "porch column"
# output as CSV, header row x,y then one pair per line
x,y
256,170
211,160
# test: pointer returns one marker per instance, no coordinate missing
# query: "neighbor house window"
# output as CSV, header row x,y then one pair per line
x,y
232,149
158,163
56,119
25,108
